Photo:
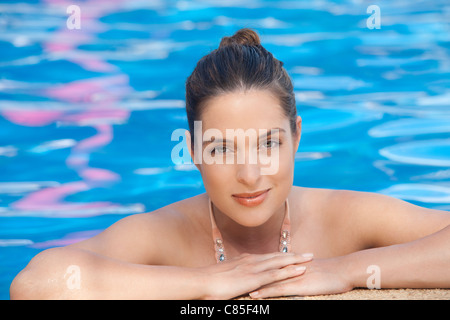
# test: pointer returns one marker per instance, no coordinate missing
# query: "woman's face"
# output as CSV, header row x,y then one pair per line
x,y
240,155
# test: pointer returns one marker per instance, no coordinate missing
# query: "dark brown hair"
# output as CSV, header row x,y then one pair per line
x,y
240,63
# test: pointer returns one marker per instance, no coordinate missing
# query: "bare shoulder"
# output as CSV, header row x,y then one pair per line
x,y
312,206
313,201
147,238
381,220
349,201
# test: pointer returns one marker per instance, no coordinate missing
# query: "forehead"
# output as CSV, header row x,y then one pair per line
x,y
257,109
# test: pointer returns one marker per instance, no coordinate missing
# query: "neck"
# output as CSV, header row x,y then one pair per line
x,y
261,239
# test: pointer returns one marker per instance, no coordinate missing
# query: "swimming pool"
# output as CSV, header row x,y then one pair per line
x,y
86,115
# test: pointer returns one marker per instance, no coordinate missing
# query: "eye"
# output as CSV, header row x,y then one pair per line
x,y
219,149
270,144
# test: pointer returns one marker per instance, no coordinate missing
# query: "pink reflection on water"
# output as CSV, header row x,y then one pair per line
x,y
106,90
52,199
71,238
97,99
31,118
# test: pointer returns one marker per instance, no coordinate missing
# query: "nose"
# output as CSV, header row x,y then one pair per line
x,y
248,174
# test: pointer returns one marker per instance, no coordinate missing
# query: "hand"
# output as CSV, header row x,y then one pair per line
x,y
248,272
322,276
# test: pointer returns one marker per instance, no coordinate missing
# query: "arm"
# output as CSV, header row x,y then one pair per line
x,y
51,275
422,263
408,245
119,263
125,262
67,273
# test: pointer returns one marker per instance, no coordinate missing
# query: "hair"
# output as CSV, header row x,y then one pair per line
x,y
240,63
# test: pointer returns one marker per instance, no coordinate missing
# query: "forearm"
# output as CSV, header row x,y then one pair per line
x,y
423,263
76,274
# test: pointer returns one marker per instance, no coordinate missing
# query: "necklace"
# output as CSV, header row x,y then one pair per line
x,y
285,234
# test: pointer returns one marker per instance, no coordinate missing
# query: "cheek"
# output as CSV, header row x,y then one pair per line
x,y
215,176
285,171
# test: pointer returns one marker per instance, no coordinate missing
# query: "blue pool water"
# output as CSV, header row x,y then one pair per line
x,y
86,115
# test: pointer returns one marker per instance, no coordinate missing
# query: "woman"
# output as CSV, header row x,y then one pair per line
x,y
252,232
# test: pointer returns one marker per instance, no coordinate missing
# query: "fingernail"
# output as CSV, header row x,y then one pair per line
x,y
300,268
307,255
254,294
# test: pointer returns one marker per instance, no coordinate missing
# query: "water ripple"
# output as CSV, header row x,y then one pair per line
x,y
427,193
410,127
425,153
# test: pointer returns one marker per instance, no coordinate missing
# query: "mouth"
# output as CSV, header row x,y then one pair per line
x,y
251,199
250,195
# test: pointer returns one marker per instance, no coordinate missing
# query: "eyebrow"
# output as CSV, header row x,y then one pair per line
x,y
269,133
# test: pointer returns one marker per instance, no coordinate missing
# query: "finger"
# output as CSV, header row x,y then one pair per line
x,y
283,260
254,259
277,275
283,281
281,289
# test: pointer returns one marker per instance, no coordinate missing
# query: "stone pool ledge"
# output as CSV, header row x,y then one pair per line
x,y
382,294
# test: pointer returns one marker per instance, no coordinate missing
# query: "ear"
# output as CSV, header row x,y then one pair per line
x,y
298,135
188,140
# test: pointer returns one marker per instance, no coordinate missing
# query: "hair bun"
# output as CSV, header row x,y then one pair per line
x,y
244,36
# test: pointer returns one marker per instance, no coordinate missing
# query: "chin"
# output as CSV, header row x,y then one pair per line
x,y
252,216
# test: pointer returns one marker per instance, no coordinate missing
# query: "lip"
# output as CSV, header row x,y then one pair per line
x,y
251,199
